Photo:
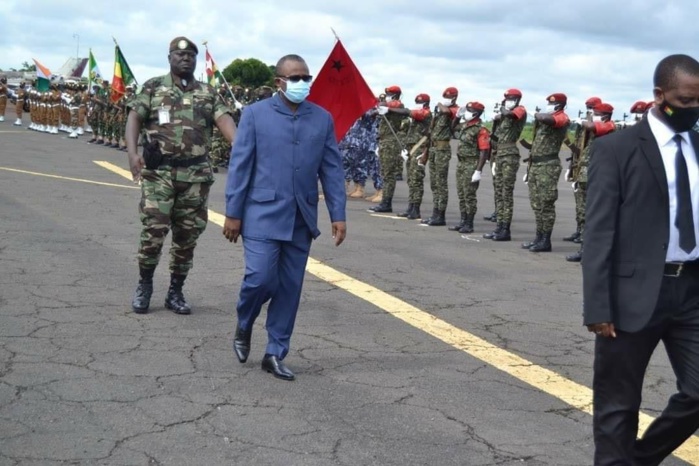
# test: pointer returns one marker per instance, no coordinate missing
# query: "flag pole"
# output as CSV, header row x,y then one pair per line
x,y
230,92
335,34
89,73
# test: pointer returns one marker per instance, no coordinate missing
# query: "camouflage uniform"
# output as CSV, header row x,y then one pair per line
x,y
507,134
544,173
175,195
3,98
220,147
439,157
418,127
389,150
468,154
357,147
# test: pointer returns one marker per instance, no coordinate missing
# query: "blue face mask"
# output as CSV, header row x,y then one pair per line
x,y
297,92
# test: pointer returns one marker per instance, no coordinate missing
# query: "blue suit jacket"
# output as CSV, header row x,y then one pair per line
x,y
276,161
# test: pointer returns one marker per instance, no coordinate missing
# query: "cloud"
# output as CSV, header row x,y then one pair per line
x,y
482,47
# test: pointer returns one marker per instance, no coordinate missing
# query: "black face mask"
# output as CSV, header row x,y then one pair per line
x,y
680,119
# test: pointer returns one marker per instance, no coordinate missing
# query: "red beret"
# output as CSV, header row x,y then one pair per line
x,y
393,90
603,108
558,97
592,102
638,107
479,107
450,92
422,98
513,92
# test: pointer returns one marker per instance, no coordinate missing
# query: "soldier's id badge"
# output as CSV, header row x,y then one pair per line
x,y
163,115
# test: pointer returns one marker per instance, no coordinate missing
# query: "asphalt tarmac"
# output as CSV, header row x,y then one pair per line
x,y
413,356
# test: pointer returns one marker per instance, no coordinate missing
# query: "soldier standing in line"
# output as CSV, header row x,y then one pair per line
x,y
220,148
600,125
95,116
580,143
418,132
389,146
177,114
545,169
439,153
104,99
509,124
82,108
473,151
19,104
3,97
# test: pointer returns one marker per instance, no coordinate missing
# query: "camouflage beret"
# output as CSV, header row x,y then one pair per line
x,y
182,43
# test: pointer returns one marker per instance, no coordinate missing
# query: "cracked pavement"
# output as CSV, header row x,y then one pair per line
x,y
83,380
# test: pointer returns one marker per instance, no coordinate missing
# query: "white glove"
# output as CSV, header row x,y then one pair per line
x,y
404,154
493,168
567,177
383,110
575,186
525,178
238,105
476,176
376,151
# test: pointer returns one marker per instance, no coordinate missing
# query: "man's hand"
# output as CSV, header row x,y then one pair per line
x,y
476,177
339,232
603,330
382,110
423,158
231,229
136,164
404,154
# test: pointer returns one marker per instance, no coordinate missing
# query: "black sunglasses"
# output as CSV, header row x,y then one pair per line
x,y
294,78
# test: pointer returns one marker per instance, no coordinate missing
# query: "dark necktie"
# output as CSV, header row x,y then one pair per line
x,y
685,217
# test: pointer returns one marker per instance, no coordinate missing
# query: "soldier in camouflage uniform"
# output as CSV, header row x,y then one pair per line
x,y
177,114
389,147
600,125
439,152
20,94
545,170
3,97
473,151
220,148
508,126
417,131
94,115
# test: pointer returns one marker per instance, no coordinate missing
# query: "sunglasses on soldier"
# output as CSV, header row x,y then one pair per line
x,y
294,78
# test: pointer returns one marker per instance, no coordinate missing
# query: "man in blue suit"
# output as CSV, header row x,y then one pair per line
x,y
283,146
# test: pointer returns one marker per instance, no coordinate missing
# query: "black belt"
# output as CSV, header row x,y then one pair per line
x,y
677,269
544,158
183,163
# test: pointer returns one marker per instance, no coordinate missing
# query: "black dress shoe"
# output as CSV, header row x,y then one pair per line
x,y
274,366
241,343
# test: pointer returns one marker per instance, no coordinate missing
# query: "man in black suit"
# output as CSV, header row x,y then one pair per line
x,y
641,269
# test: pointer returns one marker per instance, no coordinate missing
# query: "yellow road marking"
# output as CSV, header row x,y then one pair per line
x,y
570,392
47,175
113,168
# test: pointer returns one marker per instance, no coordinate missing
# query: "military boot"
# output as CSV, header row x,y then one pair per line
x,y
461,224
577,256
544,245
175,299
575,235
384,207
407,211
415,214
438,221
468,226
435,214
492,217
144,290
493,233
531,243
504,234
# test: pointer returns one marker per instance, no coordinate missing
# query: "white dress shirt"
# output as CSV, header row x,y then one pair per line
x,y
668,149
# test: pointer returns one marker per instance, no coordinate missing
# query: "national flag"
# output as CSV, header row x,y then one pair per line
x,y
93,71
212,73
123,75
43,76
341,90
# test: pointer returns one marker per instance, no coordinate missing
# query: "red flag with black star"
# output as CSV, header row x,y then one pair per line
x,y
341,90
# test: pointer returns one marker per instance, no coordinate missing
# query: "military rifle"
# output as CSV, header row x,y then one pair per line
x,y
526,145
493,138
582,139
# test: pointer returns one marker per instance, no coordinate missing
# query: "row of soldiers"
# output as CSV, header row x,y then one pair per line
x,y
107,116
426,140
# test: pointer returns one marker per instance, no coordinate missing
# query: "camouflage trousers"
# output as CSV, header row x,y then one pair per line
x,y
94,122
504,181
580,204
416,180
177,205
391,166
468,202
543,193
220,150
355,162
439,176
3,104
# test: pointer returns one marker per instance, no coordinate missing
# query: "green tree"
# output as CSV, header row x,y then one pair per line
x,y
27,67
249,72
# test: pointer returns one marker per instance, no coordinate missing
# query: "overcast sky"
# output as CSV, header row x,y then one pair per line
x,y
605,48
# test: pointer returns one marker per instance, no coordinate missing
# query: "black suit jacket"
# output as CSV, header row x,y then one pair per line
x,y
626,228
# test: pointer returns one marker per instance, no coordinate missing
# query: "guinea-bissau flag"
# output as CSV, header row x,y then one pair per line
x,y
341,90
123,76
